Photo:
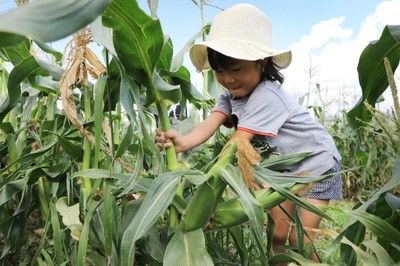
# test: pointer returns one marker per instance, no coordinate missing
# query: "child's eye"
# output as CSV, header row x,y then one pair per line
x,y
236,69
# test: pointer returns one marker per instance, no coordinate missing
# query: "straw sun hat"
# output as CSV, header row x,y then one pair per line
x,y
242,32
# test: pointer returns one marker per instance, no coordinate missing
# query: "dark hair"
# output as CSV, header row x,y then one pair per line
x,y
218,60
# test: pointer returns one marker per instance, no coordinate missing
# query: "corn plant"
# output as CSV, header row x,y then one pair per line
x,y
378,215
85,183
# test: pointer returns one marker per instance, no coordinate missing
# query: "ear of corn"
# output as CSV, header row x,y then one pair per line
x,y
230,213
205,199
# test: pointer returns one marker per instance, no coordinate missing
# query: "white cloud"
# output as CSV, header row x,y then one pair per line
x,y
319,35
330,52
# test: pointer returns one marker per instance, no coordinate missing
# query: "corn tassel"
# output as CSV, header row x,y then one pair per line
x,y
230,213
205,199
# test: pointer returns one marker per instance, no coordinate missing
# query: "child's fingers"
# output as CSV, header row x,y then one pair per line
x,y
170,134
160,139
255,186
162,146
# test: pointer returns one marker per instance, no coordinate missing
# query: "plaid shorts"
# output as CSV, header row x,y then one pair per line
x,y
330,188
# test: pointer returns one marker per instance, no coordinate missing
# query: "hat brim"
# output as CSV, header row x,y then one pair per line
x,y
236,49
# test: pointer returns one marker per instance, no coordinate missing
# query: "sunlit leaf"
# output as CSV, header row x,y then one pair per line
x,y
377,225
48,20
156,200
187,250
372,74
382,256
70,216
250,205
18,53
363,257
99,89
19,73
138,39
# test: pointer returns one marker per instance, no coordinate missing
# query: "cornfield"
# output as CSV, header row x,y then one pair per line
x,y
83,183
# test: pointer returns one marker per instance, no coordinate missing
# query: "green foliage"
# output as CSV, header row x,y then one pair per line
x,y
48,20
133,210
372,74
367,155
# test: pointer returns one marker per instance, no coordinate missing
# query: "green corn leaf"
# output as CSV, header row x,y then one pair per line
x,y
376,225
155,245
7,128
84,237
35,153
130,97
48,49
164,63
10,189
194,176
281,162
292,256
47,257
126,140
57,234
108,221
75,151
250,205
393,182
138,39
354,233
46,84
363,257
166,91
70,216
138,185
17,53
240,243
181,76
139,43
282,189
48,20
138,168
156,201
99,89
372,74
19,73
103,35
55,71
177,60
382,256
265,175
187,250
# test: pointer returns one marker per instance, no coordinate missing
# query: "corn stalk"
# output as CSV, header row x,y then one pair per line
x,y
82,63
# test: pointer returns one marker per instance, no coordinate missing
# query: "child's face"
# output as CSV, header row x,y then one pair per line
x,y
241,78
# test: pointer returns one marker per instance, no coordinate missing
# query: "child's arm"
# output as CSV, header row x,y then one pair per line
x,y
199,134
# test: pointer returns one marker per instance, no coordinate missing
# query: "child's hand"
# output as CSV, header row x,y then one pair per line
x,y
166,139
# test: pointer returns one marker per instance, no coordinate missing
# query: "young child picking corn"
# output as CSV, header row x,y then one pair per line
x,y
239,50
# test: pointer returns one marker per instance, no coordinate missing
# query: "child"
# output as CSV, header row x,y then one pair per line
x,y
239,51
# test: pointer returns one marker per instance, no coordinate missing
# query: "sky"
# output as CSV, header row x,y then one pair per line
x,y
326,38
